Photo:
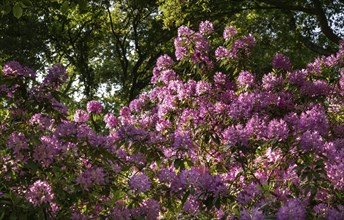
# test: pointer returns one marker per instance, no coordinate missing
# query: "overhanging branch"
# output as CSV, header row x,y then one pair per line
x,y
323,22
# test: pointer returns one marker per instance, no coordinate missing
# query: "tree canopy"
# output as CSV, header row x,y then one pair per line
x,y
112,45
104,43
301,29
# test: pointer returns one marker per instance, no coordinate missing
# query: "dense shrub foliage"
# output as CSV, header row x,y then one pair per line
x,y
215,141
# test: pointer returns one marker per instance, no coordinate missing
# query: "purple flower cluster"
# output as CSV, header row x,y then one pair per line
x,y
222,53
236,135
42,121
192,206
242,46
91,177
239,49
246,79
162,125
206,27
341,82
220,78
200,180
14,68
314,119
255,214
140,183
311,140
278,129
326,212
242,106
94,107
193,45
150,209
39,193
66,129
110,120
281,61
164,62
120,211
292,209
316,88
46,152
248,194
166,175
229,32
81,116
271,81
19,143
57,75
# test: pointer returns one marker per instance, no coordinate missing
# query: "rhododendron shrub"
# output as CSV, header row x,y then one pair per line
x,y
220,142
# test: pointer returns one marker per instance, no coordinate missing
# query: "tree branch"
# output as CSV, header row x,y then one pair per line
x,y
120,51
283,6
323,22
312,46
316,10
306,41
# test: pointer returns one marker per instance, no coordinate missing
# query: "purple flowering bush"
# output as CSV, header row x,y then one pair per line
x,y
226,144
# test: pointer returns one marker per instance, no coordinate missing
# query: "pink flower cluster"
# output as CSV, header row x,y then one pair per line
x,y
40,192
92,176
18,142
81,116
193,45
281,61
140,183
94,107
14,68
57,75
238,48
110,120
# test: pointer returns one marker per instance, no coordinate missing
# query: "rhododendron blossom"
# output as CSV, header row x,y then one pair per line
x,y
81,116
94,107
40,192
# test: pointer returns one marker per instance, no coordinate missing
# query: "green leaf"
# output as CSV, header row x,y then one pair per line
x,y
7,8
13,216
185,197
83,5
216,139
23,216
17,10
314,191
27,2
2,215
209,203
64,7
217,203
179,164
